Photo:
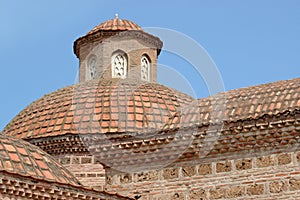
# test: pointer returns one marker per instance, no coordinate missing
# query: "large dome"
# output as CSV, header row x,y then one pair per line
x,y
21,158
99,106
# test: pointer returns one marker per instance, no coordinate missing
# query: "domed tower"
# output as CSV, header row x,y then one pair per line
x,y
117,100
117,48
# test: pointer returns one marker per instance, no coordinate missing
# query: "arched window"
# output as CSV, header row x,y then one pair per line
x,y
119,65
145,68
92,69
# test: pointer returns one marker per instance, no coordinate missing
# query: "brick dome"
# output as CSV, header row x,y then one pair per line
x,y
99,106
26,160
116,24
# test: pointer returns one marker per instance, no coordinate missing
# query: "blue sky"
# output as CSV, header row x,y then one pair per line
x,y
251,42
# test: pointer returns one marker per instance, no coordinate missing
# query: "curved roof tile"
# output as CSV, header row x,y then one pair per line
x,y
240,104
116,24
100,106
20,157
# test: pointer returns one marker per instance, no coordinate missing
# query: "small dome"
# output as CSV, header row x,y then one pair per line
x,y
99,106
20,157
115,24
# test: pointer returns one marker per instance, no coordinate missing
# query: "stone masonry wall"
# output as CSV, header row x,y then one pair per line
x,y
85,169
275,176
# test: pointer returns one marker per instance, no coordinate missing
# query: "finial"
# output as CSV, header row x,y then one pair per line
x,y
116,15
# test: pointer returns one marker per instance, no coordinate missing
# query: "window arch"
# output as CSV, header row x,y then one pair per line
x,y
92,68
119,64
145,68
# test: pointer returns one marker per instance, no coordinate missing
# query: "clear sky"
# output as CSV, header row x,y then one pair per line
x,y
251,42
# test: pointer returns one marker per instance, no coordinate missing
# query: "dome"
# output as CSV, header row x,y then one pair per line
x,y
21,158
116,24
99,106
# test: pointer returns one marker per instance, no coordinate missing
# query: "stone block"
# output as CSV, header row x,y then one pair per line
x,y
294,183
197,194
177,196
235,191
217,193
243,164
86,160
65,160
125,178
75,160
109,180
255,189
188,171
91,175
284,159
170,173
277,186
298,156
265,161
205,169
223,167
147,176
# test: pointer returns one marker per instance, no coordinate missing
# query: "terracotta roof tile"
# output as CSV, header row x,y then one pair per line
x,y
240,104
98,107
20,157
115,24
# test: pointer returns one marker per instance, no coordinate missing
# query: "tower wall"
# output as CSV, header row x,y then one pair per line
x,y
133,48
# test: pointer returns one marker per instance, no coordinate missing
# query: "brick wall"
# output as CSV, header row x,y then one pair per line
x,y
88,171
275,176
133,48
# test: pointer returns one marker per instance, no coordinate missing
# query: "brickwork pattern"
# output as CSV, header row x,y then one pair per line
x,y
85,168
264,177
133,48
14,187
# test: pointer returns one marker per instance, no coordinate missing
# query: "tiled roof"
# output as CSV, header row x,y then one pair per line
x,y
21,158
115,24
98,107
240,104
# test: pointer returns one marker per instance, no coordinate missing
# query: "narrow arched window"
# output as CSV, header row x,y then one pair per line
x,y
92,69
145,68
119,65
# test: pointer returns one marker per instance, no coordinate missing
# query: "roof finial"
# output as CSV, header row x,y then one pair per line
x,y
117,16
